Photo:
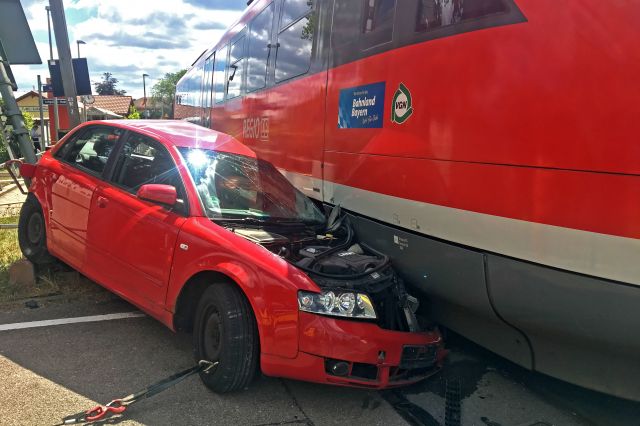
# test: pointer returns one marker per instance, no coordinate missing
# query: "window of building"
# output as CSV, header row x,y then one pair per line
x,y
90,150
218,74
434,14
259,49
377,20
236,69
295,42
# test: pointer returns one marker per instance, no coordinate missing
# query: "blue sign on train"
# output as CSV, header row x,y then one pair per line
x,y
361,107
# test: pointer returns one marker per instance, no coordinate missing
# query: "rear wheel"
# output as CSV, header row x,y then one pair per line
x,y
225,331
32,235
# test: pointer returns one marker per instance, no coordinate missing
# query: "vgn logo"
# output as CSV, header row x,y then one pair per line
x,y
401,108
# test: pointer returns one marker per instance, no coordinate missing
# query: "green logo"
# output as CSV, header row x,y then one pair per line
x,y
401,108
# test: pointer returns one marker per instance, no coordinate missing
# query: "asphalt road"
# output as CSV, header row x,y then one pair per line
x,y
50,372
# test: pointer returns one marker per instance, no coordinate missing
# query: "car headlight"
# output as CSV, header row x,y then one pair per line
x,y
337,303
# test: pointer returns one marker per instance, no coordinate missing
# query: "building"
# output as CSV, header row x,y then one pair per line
x,y
29,102
151,108
107,107
99,107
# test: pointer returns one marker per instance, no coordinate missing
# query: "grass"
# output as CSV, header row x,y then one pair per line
x,y
9,253
59,279
9,249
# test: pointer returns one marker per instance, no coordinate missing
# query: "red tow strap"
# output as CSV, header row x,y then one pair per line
x,y
118,406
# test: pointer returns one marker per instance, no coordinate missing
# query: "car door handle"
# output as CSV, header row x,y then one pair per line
x,y
102,201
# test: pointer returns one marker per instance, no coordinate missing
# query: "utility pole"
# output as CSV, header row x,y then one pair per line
x,y
43,142
13,112
56,120
66,65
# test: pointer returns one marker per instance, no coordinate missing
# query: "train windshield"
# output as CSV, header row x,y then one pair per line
x,y
232,186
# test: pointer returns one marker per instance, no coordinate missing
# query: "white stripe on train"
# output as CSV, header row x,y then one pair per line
x,y
591,253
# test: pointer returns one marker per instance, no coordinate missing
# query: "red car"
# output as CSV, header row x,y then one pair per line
x,y
187,224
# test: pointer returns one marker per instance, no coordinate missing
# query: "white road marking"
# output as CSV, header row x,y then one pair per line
x,y
61,321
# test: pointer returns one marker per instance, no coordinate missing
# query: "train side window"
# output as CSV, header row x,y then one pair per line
x,y
434,14
377,21
208,81
294,9
259,49
236,69
218,74
195,86
295,42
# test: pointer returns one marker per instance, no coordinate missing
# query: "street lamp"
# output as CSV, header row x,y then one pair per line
x,y
48,9
79,42
144,89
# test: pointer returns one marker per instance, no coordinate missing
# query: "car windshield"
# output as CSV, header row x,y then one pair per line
x,y
232,186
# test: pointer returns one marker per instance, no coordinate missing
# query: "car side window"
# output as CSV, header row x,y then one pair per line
x,y
90,149
144,160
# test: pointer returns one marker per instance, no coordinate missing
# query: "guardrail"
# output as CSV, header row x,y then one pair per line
x,y
12,167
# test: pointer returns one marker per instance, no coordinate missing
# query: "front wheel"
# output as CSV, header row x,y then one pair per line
x,y
225,331
32,235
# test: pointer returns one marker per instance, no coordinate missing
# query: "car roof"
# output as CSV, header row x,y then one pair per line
x,y
183,134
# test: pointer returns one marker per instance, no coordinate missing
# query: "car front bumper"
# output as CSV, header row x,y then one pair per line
x,y
357,353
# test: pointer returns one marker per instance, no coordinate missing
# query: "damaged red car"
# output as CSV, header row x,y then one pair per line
x,y
188,225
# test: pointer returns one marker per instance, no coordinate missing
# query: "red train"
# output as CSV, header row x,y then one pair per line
x,y
488,146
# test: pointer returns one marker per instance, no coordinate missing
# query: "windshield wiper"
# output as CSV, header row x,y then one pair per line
x,y
266,221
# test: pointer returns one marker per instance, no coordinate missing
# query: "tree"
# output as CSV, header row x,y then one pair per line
x,y
8,137
134,114
164,90
108,85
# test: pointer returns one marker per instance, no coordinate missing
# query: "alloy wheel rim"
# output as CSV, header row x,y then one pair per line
x,y
212,335
34,229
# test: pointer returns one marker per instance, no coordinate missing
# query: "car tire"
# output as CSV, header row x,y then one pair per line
x,y
225,331
32,235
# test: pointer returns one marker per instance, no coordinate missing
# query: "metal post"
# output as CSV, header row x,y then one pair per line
x,y
56,118
144,91
14,115
66,66
49,26
42,142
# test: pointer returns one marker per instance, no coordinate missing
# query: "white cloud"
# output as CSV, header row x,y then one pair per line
x,y
129,38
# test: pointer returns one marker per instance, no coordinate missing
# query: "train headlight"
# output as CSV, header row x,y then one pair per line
x,y
338,303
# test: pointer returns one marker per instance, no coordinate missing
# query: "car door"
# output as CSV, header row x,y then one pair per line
x,y
132,240
72,177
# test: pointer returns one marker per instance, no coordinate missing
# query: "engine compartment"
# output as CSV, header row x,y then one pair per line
x,y
334,260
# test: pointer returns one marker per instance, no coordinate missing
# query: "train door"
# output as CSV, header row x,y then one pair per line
x,y
288,118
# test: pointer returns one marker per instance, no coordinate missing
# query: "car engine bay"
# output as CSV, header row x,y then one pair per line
x,y
342,267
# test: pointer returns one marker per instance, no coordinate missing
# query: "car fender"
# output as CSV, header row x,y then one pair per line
x,y
268,281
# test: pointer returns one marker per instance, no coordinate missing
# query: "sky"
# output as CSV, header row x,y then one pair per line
x,y
129,38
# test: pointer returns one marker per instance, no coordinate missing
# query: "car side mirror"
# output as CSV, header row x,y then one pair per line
x,y
162,194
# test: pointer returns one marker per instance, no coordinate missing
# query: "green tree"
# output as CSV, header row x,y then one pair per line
x,y
164,91
108,85
8,137
134,114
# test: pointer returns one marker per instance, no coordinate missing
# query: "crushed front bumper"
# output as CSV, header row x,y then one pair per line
x,y
356,353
